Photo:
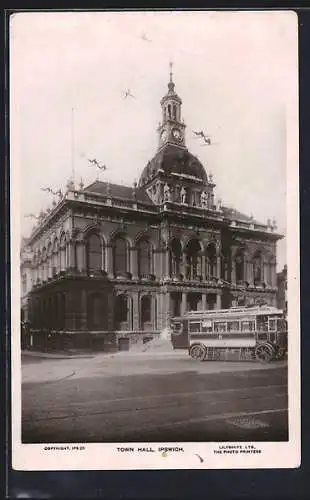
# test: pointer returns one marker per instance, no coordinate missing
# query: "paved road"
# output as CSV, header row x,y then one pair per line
x,y
119,399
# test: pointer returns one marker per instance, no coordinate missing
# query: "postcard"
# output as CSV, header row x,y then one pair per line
x,y
154,240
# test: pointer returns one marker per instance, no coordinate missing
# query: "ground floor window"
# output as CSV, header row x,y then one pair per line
x,y
96,312
121,309
146,309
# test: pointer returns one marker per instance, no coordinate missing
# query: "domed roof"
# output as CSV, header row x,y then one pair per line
x,y
172,159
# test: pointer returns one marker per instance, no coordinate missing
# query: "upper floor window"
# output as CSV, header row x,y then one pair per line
x,y
94,253
211,261
175,256
257,268
120,259
239,260
144,258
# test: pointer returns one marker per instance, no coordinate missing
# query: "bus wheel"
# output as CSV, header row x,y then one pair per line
x,y
197,352
264,353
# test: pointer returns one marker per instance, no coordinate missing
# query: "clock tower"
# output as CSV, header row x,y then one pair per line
x,y
172,129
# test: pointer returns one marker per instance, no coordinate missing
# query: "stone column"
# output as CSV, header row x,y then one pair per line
x,y
183,265
204,302
199,270
218,301
134,262
218,266
167,259
109,261
72,255
274,274
168,306
233,270
135,311
245,268
81,256
184,303
84,312
250,277
203,267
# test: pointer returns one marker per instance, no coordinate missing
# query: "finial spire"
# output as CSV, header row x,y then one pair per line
x,y
171,82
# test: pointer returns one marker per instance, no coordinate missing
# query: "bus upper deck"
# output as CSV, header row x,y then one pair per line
x,y
239,328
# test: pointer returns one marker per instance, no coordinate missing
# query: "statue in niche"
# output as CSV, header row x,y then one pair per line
x,y
183,195
167,193
204,199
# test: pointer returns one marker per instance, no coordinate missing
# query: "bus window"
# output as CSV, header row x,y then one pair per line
x,y
247,326
207,325
262,323
282,325
272,325
233,326
219,327
177,327
194,327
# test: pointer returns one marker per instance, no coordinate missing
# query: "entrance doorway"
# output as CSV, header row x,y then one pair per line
x,y
123,344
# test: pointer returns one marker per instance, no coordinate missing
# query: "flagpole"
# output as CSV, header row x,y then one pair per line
x,y
72,145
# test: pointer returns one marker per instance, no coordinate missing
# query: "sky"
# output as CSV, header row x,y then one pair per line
x,y
236,73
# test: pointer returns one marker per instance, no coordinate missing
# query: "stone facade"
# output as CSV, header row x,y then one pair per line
x,y
111,264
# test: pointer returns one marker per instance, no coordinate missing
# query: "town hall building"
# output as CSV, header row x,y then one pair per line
x,y
108,265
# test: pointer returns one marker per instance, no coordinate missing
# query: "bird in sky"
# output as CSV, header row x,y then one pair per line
x,y
97,164
145,38
207,141
128,93
49,190
203,136
199,134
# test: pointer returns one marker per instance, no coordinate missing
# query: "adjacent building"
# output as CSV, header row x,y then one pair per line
x,y
282,289
108,265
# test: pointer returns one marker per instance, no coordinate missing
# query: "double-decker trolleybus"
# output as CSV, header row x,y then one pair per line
x,y
238,333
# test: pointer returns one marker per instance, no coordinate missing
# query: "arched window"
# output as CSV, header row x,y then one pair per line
x,y
120,257
192,259
239,260
169,111
257,268
175,257
174,112
55,258
269,271
211,261
144,258
94,253
226,265
63,253
121,309
146,309
49,260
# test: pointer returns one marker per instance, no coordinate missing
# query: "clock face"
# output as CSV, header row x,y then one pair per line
x,y
164,135
176,134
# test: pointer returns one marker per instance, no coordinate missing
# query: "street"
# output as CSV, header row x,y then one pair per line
x,y
166,398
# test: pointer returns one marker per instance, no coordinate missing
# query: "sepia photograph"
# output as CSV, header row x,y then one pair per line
x,y
154,230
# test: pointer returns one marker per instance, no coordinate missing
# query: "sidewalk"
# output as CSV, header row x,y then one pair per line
x,y
57,355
